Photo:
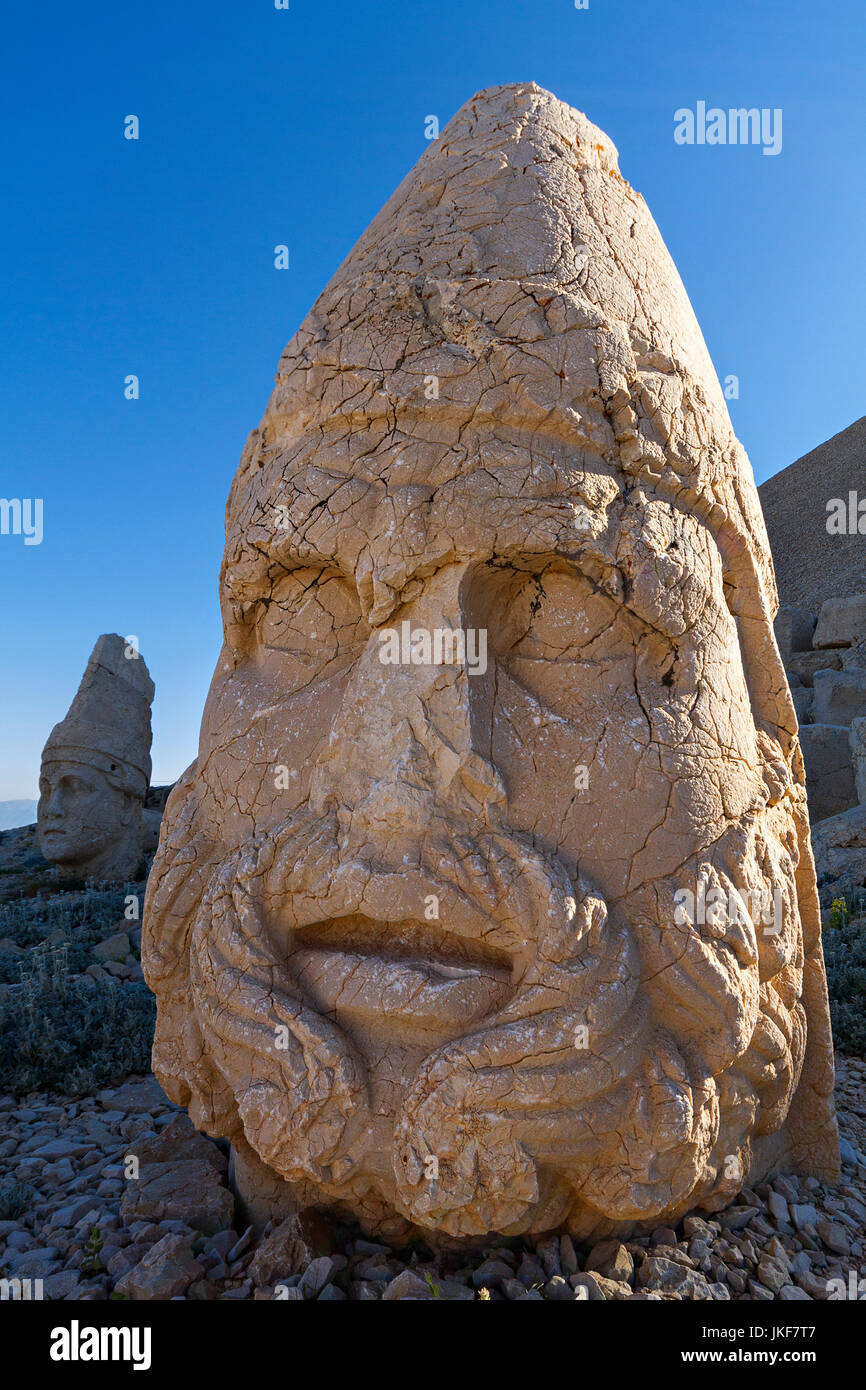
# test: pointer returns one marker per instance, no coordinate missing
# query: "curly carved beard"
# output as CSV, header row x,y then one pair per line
x,y
571,1102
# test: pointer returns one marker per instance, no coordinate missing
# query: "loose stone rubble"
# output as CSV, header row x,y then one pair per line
x,y
96,769
90,1232
415,926
825,661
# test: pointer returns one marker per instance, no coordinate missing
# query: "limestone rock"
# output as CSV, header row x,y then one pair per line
x,y
178,1142
841,622
316,1276
185,1191
611,1259
803,700
407,1286
829,769
137,1096
281,1254
659,1272
793,628
589,1286
839,845
820,1219
840,696
96,768
772,1274
857,744
168,1268
116,947
499,685
805,665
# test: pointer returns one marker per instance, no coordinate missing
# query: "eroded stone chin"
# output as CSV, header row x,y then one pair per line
x,y
477,1076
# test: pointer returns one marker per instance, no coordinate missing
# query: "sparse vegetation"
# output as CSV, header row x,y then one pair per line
x,y
845,959
15,1198
71,1034
80,919
840,914
91,1261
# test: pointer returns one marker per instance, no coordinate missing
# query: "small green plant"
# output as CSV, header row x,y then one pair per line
x,y
435,1289
840,913
91,1262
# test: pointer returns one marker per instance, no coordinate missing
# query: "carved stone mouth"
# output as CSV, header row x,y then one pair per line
x,y
416,973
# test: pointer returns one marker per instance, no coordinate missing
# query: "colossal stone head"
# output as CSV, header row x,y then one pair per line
x,y
529,942
96,767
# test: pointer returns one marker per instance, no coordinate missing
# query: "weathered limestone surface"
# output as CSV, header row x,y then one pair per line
x,y
828,689
841,622
840,696
839,843
857,742
829,769
794,628
416,930
806,665
96,768
803,699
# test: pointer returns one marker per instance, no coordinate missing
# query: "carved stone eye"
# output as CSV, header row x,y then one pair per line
x,y
310,621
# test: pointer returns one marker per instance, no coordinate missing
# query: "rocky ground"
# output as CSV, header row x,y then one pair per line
x,y
22,868
73,1214
114,1195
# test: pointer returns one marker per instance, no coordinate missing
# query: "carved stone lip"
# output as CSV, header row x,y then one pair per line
x,y
420,977
371,909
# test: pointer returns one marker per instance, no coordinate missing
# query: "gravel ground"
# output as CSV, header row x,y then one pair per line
x,y
116,1196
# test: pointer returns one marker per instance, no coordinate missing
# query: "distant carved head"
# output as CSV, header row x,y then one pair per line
x,y
431,938
83,815
96,768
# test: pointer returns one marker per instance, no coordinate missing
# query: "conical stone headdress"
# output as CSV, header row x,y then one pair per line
x,y
516,267
108,724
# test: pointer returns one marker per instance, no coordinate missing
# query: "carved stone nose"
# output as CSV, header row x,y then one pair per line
x,y
403,739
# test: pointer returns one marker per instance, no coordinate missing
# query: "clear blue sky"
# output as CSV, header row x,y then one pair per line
x,y
260,127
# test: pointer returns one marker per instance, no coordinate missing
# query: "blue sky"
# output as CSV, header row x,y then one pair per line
x,y
262,126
